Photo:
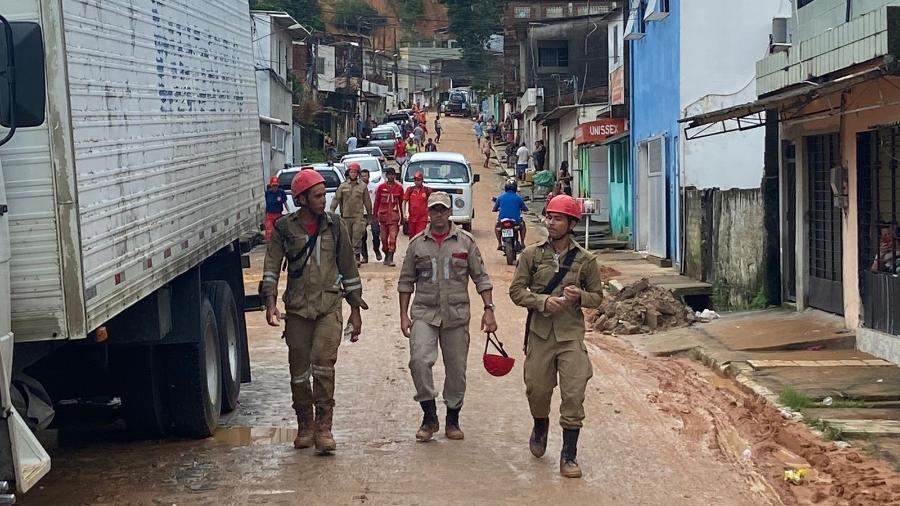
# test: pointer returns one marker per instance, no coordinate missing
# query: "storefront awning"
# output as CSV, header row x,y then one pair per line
x,y
622,137
752,115
561,111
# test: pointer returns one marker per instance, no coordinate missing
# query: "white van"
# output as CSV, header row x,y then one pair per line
x,y
446,172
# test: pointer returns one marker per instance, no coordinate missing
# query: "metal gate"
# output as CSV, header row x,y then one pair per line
x,y
826,289
656,182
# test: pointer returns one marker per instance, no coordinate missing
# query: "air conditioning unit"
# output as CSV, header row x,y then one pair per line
x,y
781,39
634,27
657,10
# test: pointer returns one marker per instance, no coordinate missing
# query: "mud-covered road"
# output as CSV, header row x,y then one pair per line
x,y
656,431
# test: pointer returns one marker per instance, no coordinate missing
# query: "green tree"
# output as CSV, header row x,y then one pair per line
x,y
409,12
473,22
356,16
306,12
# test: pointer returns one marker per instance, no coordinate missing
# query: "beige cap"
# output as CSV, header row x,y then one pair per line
x,y
439,198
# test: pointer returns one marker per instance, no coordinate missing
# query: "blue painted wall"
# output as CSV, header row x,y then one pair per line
x,y
655,104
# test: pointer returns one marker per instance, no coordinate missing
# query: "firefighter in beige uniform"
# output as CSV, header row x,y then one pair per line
x,y
353,197
437,266
555,340
321,272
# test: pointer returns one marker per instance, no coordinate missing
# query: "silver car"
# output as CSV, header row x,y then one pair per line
x,y
384,138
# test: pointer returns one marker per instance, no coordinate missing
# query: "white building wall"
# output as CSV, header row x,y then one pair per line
x,y
720,44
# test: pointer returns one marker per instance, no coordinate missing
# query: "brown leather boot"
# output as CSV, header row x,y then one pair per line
x,y
452,430
305,428
430,423
568,466
325,443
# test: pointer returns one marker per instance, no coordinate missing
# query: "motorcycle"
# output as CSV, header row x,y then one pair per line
x,y
509,234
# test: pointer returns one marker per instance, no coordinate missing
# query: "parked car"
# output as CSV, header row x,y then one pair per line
x,y
393,126
332,173
372,164
399,117
375,151
447,172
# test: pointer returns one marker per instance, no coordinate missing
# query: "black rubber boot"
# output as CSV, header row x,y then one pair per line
x,y
538,442
430,423
452,430
568,466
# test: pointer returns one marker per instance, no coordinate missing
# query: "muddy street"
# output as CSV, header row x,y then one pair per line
x,y
656,431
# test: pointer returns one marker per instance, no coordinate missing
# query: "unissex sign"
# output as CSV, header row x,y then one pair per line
x,y
598,130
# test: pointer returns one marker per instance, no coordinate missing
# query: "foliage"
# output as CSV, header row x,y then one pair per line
x,y
473,22
306,12
356,16
760,301
409,11
795,400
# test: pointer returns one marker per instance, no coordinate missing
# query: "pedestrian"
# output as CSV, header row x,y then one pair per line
x,y
321,272
555,279
330,148
419,134
365,176
400,151
412,147
430,146
360,124
352,142
486,151
521,161
352,196
437,267
276,205
388,210
565,179
437,130
479,132
490,128
539,155
416,199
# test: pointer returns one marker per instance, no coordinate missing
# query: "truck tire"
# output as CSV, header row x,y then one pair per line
x,y
230,350
195,379
141,375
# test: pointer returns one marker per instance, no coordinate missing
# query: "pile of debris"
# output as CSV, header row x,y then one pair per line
x,y
640,308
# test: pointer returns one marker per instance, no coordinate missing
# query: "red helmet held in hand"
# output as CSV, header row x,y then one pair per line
x,y
497,365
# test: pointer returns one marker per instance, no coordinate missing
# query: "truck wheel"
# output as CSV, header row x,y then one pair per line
x,y
195,373
228,322
141,375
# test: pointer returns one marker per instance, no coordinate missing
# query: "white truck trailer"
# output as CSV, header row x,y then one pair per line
x,y
130,174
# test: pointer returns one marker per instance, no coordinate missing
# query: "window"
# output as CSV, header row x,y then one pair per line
x,y
320,65
522,12
657,10
439,171
802,3
615,44
554,12
634,26
584,10
553,57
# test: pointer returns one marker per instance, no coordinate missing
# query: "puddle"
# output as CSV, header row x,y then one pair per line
x,y
251,436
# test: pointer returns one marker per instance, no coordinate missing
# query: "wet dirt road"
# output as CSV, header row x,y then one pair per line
x,y
639,445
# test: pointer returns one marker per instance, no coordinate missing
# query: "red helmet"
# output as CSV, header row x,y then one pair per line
x,y
564,204
497,365
419,175
304,180
273,180
353,166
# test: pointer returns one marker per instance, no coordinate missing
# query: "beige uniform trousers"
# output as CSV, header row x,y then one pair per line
x,y
356,228
423,350
312,353
545,360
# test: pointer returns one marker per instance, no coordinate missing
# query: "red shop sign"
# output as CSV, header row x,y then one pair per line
x,y
598,130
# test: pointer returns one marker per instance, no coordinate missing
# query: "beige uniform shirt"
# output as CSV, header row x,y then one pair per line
x,y
537,266
439,276
354,199
329,275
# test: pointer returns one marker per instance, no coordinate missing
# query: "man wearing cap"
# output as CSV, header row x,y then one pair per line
x,y
554,279
437,267
416,198
353,198
389,212
321,272
276,203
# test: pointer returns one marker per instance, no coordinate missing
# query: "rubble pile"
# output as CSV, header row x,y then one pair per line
x,y
640,308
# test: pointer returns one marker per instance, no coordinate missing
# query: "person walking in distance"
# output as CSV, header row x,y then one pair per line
x,y
437,130
430,146
400,151
479,132
352,141
555,279
353,198
276,204
437,267
539,155
364,176
321,272
416,199
389,212
521,161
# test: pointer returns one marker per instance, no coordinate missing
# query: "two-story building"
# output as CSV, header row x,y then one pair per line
x,y
831,87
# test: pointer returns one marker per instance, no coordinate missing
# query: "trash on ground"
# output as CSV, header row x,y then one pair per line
x,y
747,454
842,445
640,308
828,401
706,315
795,477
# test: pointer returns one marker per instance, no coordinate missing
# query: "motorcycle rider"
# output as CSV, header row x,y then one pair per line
x,y
509,206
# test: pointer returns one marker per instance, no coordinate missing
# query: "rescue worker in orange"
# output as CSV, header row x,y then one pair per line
x,y
321,272
389,212
416,198
437,267
555,279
